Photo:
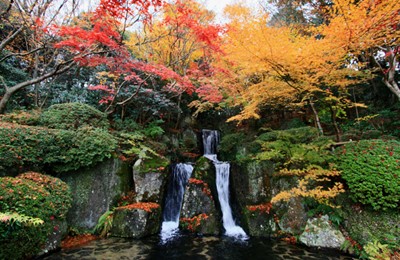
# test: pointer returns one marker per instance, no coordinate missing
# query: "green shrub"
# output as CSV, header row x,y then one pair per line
x,y
293,148
371,170
73,116
35,148
22,117
293,135
33,198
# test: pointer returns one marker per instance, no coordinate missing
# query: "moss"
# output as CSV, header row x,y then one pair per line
x,y
366,225
153,164
202,168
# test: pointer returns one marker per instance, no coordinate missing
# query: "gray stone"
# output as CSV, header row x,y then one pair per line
x,y
95,191
260,224
294,216
55,237
251,182
135,223
320,233
148,186
196,201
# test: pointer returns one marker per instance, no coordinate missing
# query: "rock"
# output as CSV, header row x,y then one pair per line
x,y
251,183
320,233
148,186
55,237
260,224
135,222
198,212
250,186
95,191
366,225
293,217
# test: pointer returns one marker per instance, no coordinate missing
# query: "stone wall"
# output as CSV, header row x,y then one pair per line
x,y
95,191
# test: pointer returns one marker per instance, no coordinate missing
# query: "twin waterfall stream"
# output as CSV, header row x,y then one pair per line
x,y
179,180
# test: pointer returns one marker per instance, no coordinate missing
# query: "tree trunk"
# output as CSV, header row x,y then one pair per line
x,y
61,68
317,121
4,100
338,133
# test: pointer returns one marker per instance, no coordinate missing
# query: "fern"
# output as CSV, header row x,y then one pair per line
x,y
12,217
104,224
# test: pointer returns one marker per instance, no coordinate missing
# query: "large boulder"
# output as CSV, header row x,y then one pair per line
x,y
148,186
293,216
95,191
199,213
260,220
250,189
136,220
251,182
319,232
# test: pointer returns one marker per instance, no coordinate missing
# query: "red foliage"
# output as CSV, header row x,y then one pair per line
x,y
206,190
194,222
146,206
266,207
75,241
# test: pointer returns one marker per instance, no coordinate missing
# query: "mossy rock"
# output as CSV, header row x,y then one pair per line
x,y
260,223
365,225
152,164
135,222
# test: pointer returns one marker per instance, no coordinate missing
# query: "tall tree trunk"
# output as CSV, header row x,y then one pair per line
x,y
338,133
317,120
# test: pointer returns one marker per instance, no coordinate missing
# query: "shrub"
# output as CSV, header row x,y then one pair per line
x,y
73,116
371,170
33,198
22,117
25,147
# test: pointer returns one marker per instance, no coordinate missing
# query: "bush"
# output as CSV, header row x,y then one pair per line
x,y
22,117
73,116
293,148
33,197
23,147
371,170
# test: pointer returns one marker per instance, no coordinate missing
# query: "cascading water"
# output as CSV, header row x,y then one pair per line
x,y
210,142
173,200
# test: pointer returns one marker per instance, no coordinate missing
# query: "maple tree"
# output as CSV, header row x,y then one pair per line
x,y
370,30
281,65
28,46
184,39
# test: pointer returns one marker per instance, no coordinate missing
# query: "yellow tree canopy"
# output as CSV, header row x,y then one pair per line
x,y
286,64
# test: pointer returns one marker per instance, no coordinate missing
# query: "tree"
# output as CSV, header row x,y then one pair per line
x,y
371,30
287,66
182,42
27,43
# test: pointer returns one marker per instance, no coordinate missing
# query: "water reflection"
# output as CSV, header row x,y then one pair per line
x,y
194,247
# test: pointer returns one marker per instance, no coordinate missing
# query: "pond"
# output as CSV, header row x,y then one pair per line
x,y
194,247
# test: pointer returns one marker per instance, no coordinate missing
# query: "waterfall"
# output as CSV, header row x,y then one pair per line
x,y
173,200
210,143
231,229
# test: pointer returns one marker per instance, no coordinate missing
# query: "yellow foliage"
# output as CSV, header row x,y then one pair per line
x,y
310,185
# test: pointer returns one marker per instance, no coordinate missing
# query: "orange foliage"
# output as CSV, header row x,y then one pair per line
x,y
146,206
194,222
266,207
206,190
75,241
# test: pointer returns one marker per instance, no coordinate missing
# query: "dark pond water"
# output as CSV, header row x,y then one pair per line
x,y
192,247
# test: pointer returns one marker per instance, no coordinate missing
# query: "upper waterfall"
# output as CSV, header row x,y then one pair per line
x,y
211,140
